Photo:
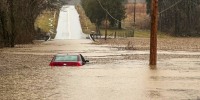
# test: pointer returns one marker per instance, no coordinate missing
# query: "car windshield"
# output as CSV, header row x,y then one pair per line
x,y
66,58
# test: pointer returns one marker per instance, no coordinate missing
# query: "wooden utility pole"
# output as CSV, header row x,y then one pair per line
x,y
106,27
134,11
134,18
154,27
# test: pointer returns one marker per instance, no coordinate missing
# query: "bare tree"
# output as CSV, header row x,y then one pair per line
x,y
18,17
179,17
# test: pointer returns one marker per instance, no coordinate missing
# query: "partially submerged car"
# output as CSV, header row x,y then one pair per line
x,y
68,60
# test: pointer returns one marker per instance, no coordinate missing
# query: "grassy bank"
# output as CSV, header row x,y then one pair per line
x,y
132,33
43,21
87,27
86,24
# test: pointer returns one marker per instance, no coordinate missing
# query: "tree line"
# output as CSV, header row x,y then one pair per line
x,y
178,17
100,10
17,18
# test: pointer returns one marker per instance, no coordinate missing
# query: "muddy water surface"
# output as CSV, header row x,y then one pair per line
x,y
110,75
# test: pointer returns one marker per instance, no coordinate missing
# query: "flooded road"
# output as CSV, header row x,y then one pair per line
x,y
111,74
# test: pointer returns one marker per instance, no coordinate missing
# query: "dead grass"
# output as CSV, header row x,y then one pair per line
x,y
86,24
130,33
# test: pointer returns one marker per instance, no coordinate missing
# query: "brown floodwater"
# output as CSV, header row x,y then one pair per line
x,y
111,74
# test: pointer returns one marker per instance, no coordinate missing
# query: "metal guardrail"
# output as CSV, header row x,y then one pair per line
x,y
91,37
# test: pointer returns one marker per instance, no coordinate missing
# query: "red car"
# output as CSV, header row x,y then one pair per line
x,y
68,60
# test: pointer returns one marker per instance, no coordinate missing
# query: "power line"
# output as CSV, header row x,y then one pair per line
x,y
170,6
167,8
175,5
145,19
108,12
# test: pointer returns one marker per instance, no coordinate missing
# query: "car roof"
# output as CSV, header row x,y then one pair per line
x,y
65,54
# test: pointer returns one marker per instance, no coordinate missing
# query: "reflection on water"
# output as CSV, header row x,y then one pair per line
x,y
153,67
132,79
